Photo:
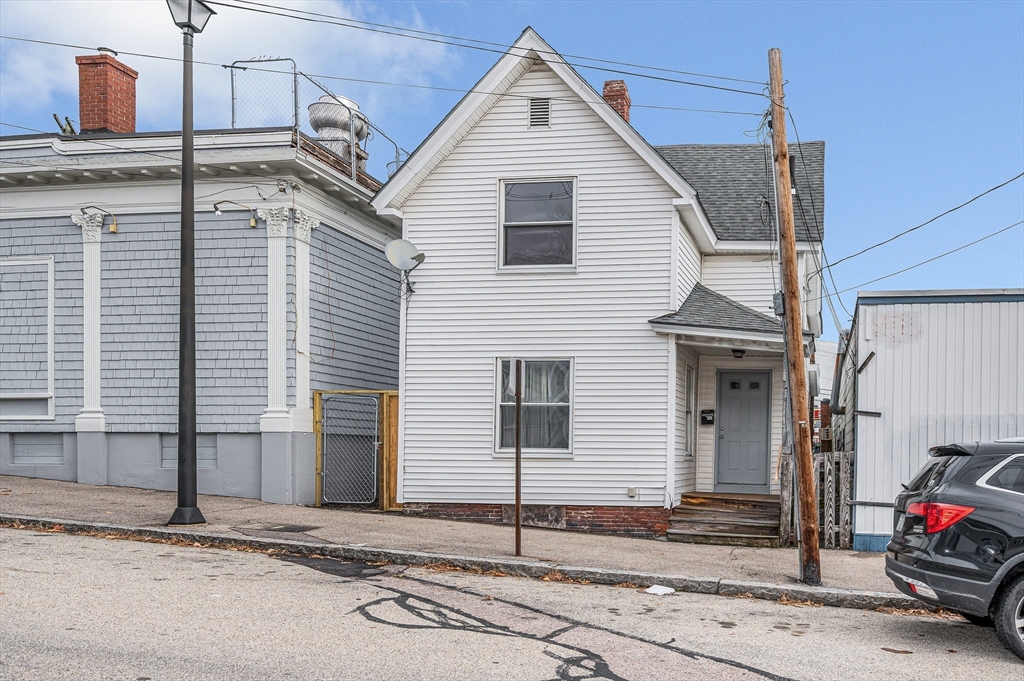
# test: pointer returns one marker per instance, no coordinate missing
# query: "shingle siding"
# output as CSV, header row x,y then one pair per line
x,y
353,302
35,238
140,324
24,299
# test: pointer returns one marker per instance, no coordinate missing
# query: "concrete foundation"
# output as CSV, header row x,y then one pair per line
x,y
135,460
67,470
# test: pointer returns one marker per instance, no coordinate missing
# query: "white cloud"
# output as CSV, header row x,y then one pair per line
x,y
36,80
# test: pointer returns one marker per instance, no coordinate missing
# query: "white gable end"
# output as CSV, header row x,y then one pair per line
x,y
466,312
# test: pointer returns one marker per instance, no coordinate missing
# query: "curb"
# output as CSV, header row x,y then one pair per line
x,y
838,598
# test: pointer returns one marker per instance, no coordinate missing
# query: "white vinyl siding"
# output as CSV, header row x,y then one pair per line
x,y
942,372
748,279
686,451
464,314
707,389
688,263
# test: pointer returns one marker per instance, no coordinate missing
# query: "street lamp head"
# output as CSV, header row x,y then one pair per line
x,y
190,15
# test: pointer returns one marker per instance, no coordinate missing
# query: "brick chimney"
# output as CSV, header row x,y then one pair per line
x,y
616,94
106,94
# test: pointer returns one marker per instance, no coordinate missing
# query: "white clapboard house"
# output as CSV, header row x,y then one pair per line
x,y
919,369
293,294
635,281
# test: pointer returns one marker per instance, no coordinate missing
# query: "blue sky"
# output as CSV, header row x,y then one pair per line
x,y
921,105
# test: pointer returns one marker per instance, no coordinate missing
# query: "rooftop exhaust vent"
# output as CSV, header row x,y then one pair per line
x,y
540,113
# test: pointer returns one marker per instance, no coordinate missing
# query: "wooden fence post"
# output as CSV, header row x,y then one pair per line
x,y
845,494
829,529
785,499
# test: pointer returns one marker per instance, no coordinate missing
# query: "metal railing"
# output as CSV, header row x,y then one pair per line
x,y
273,92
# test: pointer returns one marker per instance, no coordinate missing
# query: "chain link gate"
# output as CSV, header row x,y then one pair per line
x,y
350,440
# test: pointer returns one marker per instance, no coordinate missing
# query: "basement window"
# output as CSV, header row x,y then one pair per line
x,y
540,113
206,450
537,223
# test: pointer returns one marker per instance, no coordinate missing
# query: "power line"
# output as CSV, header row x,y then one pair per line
x,y
823,264
503,47
927,222
925,262
486,49
365,81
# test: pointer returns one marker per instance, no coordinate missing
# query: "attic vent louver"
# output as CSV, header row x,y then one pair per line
x,y
540,113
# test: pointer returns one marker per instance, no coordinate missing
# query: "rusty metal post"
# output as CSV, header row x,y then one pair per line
x,y
519,457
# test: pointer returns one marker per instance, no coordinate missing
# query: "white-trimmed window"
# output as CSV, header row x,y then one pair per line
x,y
538,223
547,406
26,339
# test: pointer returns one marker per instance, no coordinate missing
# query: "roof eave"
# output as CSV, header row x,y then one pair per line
x,y
529,41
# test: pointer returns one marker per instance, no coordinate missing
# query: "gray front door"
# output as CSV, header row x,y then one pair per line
x,y
742,453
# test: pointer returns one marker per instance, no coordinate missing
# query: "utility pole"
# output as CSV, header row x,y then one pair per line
x,y
810,562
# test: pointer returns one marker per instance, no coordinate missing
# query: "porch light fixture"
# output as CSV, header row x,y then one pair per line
x,y
113,218
252,211
738,354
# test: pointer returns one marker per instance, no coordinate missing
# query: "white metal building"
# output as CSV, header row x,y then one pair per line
x,y
918,369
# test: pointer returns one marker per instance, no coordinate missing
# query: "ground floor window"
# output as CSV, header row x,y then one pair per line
x,y
547,405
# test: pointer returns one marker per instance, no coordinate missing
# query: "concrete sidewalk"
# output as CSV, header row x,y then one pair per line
x,y
242,518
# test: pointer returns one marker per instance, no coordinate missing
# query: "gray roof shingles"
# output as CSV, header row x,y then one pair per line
x,y
729,178
705,308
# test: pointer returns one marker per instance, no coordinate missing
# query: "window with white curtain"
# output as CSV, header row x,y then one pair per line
x,y
547,405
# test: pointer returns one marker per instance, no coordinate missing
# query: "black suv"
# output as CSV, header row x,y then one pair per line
x,y
958,538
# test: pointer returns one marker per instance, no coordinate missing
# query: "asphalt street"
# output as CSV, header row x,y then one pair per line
x,y
74,607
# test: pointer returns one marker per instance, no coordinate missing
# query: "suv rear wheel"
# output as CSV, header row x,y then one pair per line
x,y
1009,617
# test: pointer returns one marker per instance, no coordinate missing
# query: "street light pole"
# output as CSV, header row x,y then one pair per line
x,y
191,17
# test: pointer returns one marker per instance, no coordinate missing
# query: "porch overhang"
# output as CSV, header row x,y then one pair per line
x,y
723,338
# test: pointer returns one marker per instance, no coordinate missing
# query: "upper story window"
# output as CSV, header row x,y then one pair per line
x,y
537,223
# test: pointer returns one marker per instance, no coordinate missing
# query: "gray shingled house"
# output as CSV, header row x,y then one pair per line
x,y
293,294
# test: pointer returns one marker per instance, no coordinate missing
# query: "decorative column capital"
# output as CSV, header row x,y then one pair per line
x,y
277,220
91,224
304,225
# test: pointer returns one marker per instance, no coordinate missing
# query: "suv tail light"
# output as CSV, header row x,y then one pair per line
x,y
938,517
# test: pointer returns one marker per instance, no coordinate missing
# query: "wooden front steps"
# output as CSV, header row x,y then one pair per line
x,y
730,519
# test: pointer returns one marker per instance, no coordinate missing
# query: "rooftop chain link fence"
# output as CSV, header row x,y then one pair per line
x,y
272,92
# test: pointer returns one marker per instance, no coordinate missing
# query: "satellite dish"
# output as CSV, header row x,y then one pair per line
x,y
404,255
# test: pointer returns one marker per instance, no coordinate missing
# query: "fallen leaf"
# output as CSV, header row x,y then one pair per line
x,y
898,652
